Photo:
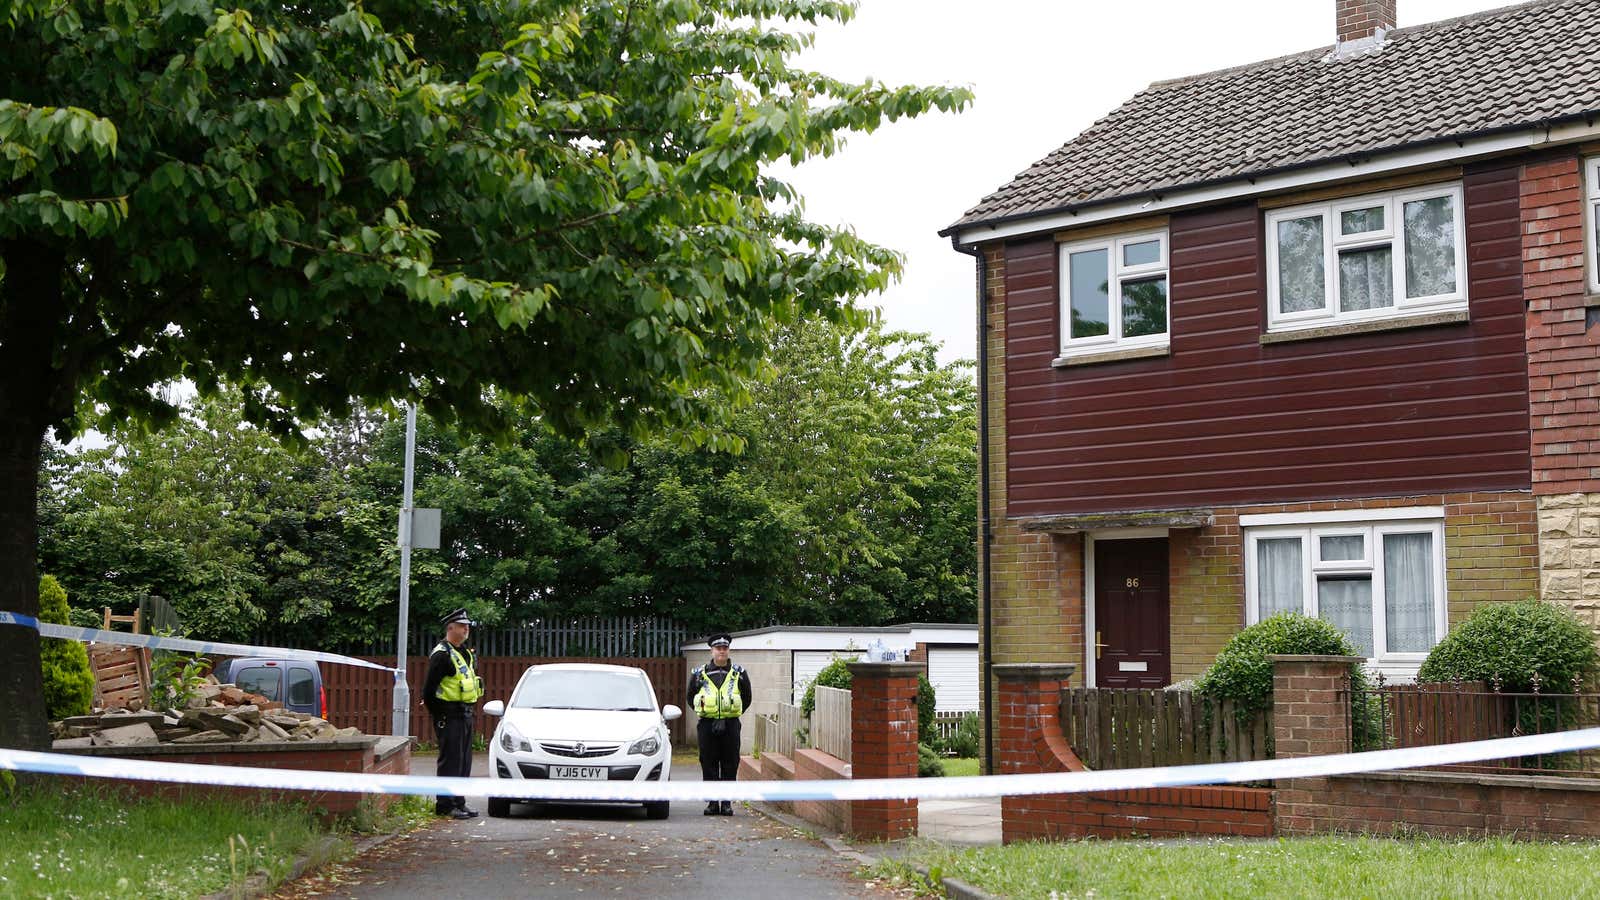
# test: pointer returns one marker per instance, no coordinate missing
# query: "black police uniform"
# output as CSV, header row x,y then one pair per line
x,y
452,725
719,738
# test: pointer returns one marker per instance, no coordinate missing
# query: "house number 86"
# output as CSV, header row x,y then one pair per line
x,y
1133,582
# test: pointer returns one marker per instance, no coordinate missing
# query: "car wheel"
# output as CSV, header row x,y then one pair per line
x,y
499,807
657,810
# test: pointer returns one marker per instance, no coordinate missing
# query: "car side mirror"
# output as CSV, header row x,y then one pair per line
x,y
670,712
495,708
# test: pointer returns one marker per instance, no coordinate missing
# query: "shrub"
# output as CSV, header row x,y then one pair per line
x,y
836,674
925,710
928,763
964,742
68,683
1513,643
1242,673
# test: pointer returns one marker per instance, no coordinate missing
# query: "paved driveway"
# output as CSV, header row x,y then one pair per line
x,y
589,851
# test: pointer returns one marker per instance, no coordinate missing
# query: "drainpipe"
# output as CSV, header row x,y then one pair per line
x,y
985,534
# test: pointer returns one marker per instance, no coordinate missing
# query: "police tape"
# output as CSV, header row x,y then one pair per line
x,y
864,789
158,642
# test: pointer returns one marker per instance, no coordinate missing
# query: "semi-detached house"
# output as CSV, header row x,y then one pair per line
x,y
1319,333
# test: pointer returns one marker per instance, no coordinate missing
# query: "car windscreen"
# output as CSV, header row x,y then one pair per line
x,y
576,689
259,680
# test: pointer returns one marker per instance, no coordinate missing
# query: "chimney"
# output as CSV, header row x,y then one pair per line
x,y
1361,19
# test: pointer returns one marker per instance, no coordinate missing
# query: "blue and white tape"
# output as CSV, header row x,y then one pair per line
x,y
157,642
864,789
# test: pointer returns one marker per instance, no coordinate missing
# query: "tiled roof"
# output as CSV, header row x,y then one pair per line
x,y
1495,70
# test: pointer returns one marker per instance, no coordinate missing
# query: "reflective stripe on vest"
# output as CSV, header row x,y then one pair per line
x,y
712,702
464,686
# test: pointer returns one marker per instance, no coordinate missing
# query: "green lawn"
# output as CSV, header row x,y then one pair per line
x,y
960,765
70,839
1285,868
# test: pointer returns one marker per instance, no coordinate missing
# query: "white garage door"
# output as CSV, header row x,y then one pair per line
x,y
954,674
807,663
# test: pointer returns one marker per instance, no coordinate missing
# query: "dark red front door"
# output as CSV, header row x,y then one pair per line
x,y
1131,614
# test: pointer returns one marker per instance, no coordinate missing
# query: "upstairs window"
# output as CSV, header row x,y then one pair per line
x,y
1375,257
1114,293
1591,193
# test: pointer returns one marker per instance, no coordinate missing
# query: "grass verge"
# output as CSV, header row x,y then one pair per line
x,y
1294,867
90,840
86,840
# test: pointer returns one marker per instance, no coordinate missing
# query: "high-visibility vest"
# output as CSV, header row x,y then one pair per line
x,y
464,686
712,702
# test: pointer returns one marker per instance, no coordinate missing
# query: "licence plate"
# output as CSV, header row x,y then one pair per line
x,y
585,773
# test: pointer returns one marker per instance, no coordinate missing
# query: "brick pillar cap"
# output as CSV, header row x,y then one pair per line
x,y
1042,671
883,669
1314,657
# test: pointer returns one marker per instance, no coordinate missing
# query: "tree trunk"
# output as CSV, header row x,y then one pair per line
x,y
31,318
22,725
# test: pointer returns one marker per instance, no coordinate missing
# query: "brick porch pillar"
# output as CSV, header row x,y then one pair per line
x,y
883,744
1029,737
1310,717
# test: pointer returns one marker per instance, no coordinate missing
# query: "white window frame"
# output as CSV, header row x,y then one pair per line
x,y
1403,664
1591,221
1115,275
1392,235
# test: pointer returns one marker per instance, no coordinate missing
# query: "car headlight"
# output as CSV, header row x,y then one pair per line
x,y
645,746
511,741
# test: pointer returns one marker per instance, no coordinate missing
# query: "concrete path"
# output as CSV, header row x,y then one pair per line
x,y
968,823
589,851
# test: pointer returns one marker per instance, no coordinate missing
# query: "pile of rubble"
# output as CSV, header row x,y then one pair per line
x,y
220,713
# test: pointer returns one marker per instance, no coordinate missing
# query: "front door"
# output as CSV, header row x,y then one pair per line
x,y
1131,614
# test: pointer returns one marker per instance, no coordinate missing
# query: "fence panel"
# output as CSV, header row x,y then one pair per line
x,y
364,698
1426,715
1133,729
595,637
830,722
779,730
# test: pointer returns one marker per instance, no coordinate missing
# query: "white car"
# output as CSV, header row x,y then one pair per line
x,y
581,721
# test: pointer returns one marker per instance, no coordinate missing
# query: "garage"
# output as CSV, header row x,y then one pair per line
x,y
953,672
807,663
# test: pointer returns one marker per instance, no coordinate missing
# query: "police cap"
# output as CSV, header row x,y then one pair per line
x,y
454,616
721,639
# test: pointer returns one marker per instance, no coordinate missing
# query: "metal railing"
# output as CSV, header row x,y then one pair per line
x,y
1424,715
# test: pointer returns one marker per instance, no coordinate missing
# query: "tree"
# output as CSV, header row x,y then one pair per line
x,y
68,682
560,201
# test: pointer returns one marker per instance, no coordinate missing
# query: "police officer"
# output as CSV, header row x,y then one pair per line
x,y
720,693
450,689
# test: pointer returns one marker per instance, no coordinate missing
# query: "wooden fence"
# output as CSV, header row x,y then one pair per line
x,y
830,722
1136,729
635,637
779,730
364,698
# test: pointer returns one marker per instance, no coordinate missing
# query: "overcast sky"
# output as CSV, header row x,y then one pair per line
x,y
1043,70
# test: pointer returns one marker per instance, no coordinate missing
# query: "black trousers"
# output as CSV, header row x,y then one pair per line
x,y
454,733
719,750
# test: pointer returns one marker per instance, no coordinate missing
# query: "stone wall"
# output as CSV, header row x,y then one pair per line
x,y
1569,538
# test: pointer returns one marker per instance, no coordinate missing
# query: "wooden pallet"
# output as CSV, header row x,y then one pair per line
x,y
121,674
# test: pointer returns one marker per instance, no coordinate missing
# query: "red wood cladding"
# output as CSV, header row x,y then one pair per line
x,y
1225,419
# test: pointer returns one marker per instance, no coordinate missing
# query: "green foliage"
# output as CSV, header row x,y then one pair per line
x,y
68,681
1243,673
965,742
175,678
929,765
926,707
835,674
571,201
238,532
1514,644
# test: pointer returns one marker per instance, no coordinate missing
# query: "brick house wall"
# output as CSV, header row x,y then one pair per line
x,y
1563,335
